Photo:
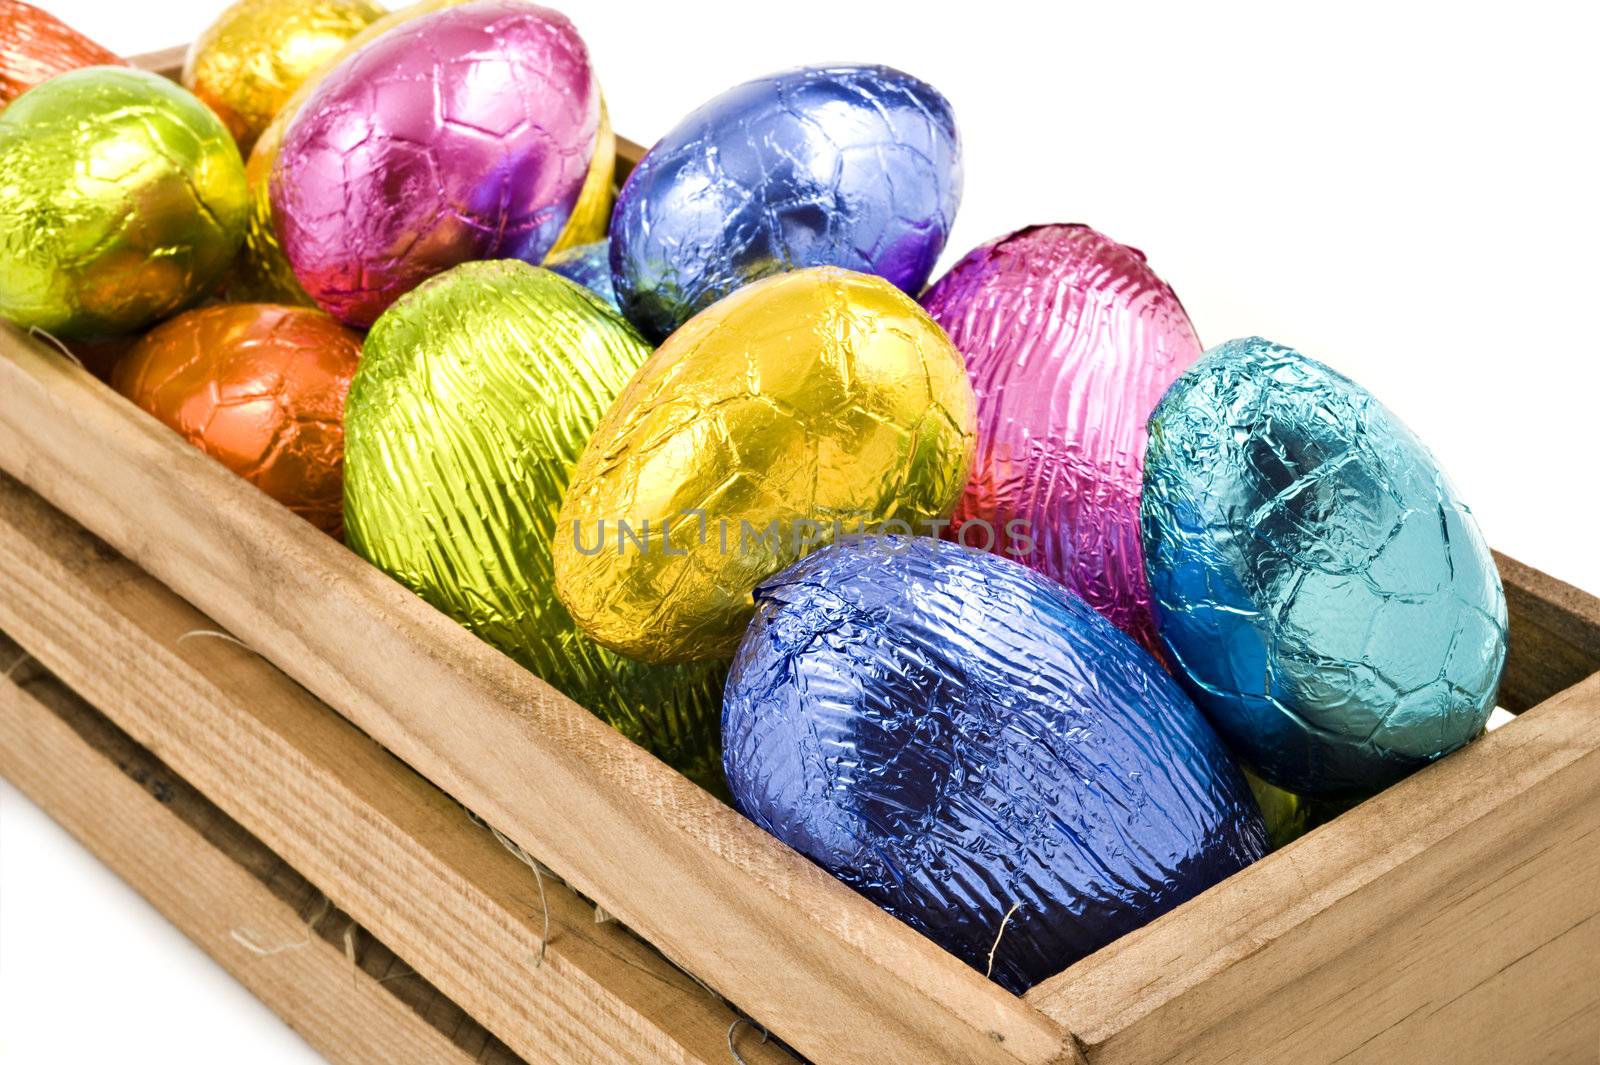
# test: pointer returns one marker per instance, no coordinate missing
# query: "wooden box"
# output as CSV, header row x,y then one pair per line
x,y
279,746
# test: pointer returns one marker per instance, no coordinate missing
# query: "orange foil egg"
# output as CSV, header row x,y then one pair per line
x,y
259,387
35,46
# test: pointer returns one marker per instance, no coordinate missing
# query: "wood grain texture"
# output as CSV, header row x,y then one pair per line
x,y
1453,919
394,851
1555,635
828,972
224,889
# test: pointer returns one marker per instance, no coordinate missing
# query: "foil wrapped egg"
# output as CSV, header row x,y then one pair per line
x,y
850,166
590,266
261,389
122,200
1071,340
247,63
476,394
801,408
1319,588
35,46
976,750
464,134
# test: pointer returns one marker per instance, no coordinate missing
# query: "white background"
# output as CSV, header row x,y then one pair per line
x,y
1406,192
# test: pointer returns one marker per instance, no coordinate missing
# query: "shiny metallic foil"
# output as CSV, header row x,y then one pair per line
x,y
261,389
810,403
961,739
1319,589
464,134
1071,340
247,63
35,46
475,397
262,272
122,199
852,166
590,266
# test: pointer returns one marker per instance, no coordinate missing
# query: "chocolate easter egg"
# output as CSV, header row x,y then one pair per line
x,y
35,46
804,406
122,199
589,265
247,63
851,166
261,389
464,134
476,394
972,747
1319,588
1071,340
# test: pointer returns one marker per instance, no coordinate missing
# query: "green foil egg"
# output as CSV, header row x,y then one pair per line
x,y
476,394
122,199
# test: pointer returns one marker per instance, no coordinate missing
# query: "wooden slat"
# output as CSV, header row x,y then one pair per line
x,y
1454,919
828,972
225,890
385,845
1555,635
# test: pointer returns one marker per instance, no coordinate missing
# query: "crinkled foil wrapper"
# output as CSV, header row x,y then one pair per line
x,y
260,388
851,166
123,201
590,266
807,404
247,63
35,46
1321,591
262,271
398,166
959,738
475,397
1071,340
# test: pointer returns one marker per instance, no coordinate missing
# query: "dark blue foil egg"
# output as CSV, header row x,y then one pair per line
x,y
1321,591
852,166
590,266
961,739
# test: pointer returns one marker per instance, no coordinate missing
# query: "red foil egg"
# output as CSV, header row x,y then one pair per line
x,y
35,46
259,387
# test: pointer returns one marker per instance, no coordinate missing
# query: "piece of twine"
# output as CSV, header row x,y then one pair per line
x,y
16,664
215,634
538,874
35,331
989,972
734,1027
246,939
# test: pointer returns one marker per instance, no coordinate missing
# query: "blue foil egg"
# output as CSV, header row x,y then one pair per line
x,y
852,166
1320,590
974,748
590,266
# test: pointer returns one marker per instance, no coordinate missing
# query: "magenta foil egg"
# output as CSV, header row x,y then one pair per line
x,y
1071,340
458,136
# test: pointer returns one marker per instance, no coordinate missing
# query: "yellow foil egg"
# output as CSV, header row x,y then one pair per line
x,y
248,63
122,199
262,272
806,407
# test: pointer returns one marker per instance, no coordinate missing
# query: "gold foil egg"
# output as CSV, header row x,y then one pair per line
x,y
806,407
122,199
262,272
257,53
476,393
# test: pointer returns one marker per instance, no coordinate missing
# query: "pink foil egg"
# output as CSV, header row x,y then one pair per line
x,y
1071,340
458,136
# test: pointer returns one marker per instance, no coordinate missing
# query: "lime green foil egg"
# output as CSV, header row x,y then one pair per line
x,y
476,394
122,199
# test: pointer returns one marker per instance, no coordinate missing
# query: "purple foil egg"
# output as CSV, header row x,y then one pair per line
x,y
462,135
1071,340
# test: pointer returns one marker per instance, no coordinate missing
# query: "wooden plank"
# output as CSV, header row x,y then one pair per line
x,y
225,890
385,845
828,972
1453,919
1555,635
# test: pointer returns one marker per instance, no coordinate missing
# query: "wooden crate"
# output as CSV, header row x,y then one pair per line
x,y
1455,918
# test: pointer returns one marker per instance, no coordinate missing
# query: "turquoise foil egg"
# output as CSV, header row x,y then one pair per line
x,y
1318,587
